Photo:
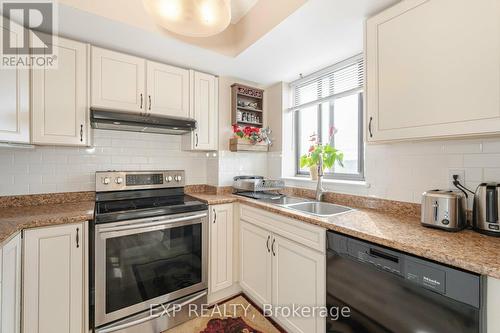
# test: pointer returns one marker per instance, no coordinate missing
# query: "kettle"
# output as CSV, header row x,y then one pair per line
x,y
486,209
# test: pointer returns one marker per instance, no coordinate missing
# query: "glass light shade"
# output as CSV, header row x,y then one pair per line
x,y
193,18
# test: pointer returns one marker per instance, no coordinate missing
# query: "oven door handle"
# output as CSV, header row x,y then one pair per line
x,y
151,317
150,225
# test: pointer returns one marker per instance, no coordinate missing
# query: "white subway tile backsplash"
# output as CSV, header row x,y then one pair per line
x,y
63,169
491,174
482,160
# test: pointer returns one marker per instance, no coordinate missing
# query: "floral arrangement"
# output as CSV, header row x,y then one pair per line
x,y
252,134
318,150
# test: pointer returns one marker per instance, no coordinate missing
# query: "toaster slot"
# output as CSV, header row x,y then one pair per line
x,y
491,204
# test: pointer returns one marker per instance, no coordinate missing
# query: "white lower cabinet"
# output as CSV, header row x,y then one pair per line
x,y
221,247
53,280
11,286
298,278
283,271
493,305
255,263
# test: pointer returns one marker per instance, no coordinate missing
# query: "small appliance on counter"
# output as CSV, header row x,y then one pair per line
x,y
486,209
257,187
444,209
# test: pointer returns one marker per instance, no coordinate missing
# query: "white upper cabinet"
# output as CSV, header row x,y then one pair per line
x,y
118,81
60,97
433,70
54,280
204,104
221,247
14,97
168,90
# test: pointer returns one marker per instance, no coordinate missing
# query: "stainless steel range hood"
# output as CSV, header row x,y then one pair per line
x,y
147,123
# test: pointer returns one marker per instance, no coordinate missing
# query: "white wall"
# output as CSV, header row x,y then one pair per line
x,y
399,171
67,169
402,171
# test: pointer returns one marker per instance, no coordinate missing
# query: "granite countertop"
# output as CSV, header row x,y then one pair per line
x,y
466,249
401,231
14,219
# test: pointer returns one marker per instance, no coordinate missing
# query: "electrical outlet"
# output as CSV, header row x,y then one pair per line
x,y
461,177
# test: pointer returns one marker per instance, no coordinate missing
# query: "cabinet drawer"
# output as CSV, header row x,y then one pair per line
x,y
309,235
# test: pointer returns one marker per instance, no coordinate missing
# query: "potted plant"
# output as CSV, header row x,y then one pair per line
x,y
326,152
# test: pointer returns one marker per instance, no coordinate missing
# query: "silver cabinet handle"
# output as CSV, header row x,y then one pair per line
x,y
149,98
370,127
81,133
77,238
267,243
215,215
272,247
196,136
141,100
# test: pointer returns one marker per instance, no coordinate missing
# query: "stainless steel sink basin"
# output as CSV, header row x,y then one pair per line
x,y
285,201
323,209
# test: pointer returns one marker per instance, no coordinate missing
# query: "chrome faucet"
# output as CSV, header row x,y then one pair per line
x,y
319,187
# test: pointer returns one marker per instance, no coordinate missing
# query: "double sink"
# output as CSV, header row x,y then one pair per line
x,y
316,208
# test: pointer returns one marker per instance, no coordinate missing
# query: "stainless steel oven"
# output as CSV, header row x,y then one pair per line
x,y
139,264
147,262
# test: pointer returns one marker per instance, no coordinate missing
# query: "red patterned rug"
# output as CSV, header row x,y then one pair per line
x,y
228,325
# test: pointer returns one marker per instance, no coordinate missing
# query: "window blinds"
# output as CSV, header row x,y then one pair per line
x,y
341,79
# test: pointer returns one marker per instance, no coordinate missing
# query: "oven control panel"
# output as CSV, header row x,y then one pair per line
x,y
106,181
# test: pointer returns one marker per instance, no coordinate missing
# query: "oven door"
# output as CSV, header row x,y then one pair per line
x,y
146,262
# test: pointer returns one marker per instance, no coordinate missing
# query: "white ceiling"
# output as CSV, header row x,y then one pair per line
x,y
318,34
239,8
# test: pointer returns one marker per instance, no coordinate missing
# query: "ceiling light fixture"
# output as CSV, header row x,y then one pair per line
x,y
193,18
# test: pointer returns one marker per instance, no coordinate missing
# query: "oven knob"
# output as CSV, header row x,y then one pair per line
x,y
119,180
106,180
178,178
168,179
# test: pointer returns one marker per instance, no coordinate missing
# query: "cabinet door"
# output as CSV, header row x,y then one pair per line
x,y
433,70
493,299
60,97
168,90
54,280
11,286
14,96
298,278
255,263
118,81
204,94
221,247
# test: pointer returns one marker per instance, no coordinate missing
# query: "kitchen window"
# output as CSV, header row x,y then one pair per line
x,y
332,99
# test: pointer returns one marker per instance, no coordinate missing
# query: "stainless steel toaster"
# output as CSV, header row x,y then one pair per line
x,y
444,209
486,209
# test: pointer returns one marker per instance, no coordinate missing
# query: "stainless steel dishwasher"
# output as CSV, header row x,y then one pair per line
x,y
392,292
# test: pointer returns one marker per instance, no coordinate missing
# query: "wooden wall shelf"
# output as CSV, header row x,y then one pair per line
x,y
247,106
236,144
